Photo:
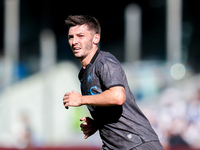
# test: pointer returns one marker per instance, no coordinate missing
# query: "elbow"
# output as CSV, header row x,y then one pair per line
x,y
120,98
118,95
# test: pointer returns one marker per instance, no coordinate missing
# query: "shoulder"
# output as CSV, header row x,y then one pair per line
x,y
109,70
107,62
106,57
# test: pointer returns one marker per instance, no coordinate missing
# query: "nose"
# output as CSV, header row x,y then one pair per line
x,y
74,40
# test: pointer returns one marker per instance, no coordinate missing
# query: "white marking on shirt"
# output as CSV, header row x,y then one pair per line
x,y
129,136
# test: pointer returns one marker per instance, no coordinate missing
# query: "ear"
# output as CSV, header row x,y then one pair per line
x,y
96,39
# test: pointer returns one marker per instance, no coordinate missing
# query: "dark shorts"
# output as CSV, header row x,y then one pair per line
x,y
152,145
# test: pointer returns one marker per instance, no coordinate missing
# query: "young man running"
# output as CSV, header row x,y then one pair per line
x,y
105,91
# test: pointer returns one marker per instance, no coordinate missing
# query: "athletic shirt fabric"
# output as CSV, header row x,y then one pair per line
x,y
120,127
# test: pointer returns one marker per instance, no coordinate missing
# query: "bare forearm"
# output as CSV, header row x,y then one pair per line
x,y
113,96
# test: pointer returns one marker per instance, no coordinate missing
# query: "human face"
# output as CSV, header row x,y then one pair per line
x,y
80,40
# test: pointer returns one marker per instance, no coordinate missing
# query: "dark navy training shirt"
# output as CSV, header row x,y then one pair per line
x,y
120,127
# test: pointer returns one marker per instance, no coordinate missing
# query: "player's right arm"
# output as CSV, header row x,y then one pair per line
x,y
111,97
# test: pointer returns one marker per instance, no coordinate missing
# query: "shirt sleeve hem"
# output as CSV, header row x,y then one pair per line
x,y
116,85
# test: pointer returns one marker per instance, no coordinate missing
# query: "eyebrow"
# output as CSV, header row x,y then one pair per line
x,y
76,33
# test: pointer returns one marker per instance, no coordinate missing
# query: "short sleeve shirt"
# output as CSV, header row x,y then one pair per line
x,y
120,127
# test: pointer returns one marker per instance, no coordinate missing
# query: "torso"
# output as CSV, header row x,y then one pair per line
x,y
120,127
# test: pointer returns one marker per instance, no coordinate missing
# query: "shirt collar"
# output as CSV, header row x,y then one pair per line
x,y
82,71
95,56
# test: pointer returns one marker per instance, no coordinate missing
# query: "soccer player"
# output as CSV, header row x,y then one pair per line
x,y
105,91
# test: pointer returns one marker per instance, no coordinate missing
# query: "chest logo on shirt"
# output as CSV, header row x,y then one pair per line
x,y
90,77
90,91
93,89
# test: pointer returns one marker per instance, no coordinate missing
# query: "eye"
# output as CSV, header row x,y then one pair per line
x,y
70,36
80,35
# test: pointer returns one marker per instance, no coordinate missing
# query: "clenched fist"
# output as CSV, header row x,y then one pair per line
x,y
72,99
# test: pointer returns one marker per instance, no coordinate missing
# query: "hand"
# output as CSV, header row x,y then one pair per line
x,y
88,126
72,99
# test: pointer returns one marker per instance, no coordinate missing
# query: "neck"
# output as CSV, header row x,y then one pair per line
x,y
86,60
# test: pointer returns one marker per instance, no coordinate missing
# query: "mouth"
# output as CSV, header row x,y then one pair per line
x,y
76,49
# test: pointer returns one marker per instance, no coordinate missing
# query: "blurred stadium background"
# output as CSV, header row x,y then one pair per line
x,y
157,42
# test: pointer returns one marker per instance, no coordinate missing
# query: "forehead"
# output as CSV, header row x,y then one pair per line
x,y
78,29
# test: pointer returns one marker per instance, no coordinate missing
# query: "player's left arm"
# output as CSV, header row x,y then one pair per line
x,y
88,126
113,96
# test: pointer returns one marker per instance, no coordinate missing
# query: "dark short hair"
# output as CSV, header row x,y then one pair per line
x,y
90,21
